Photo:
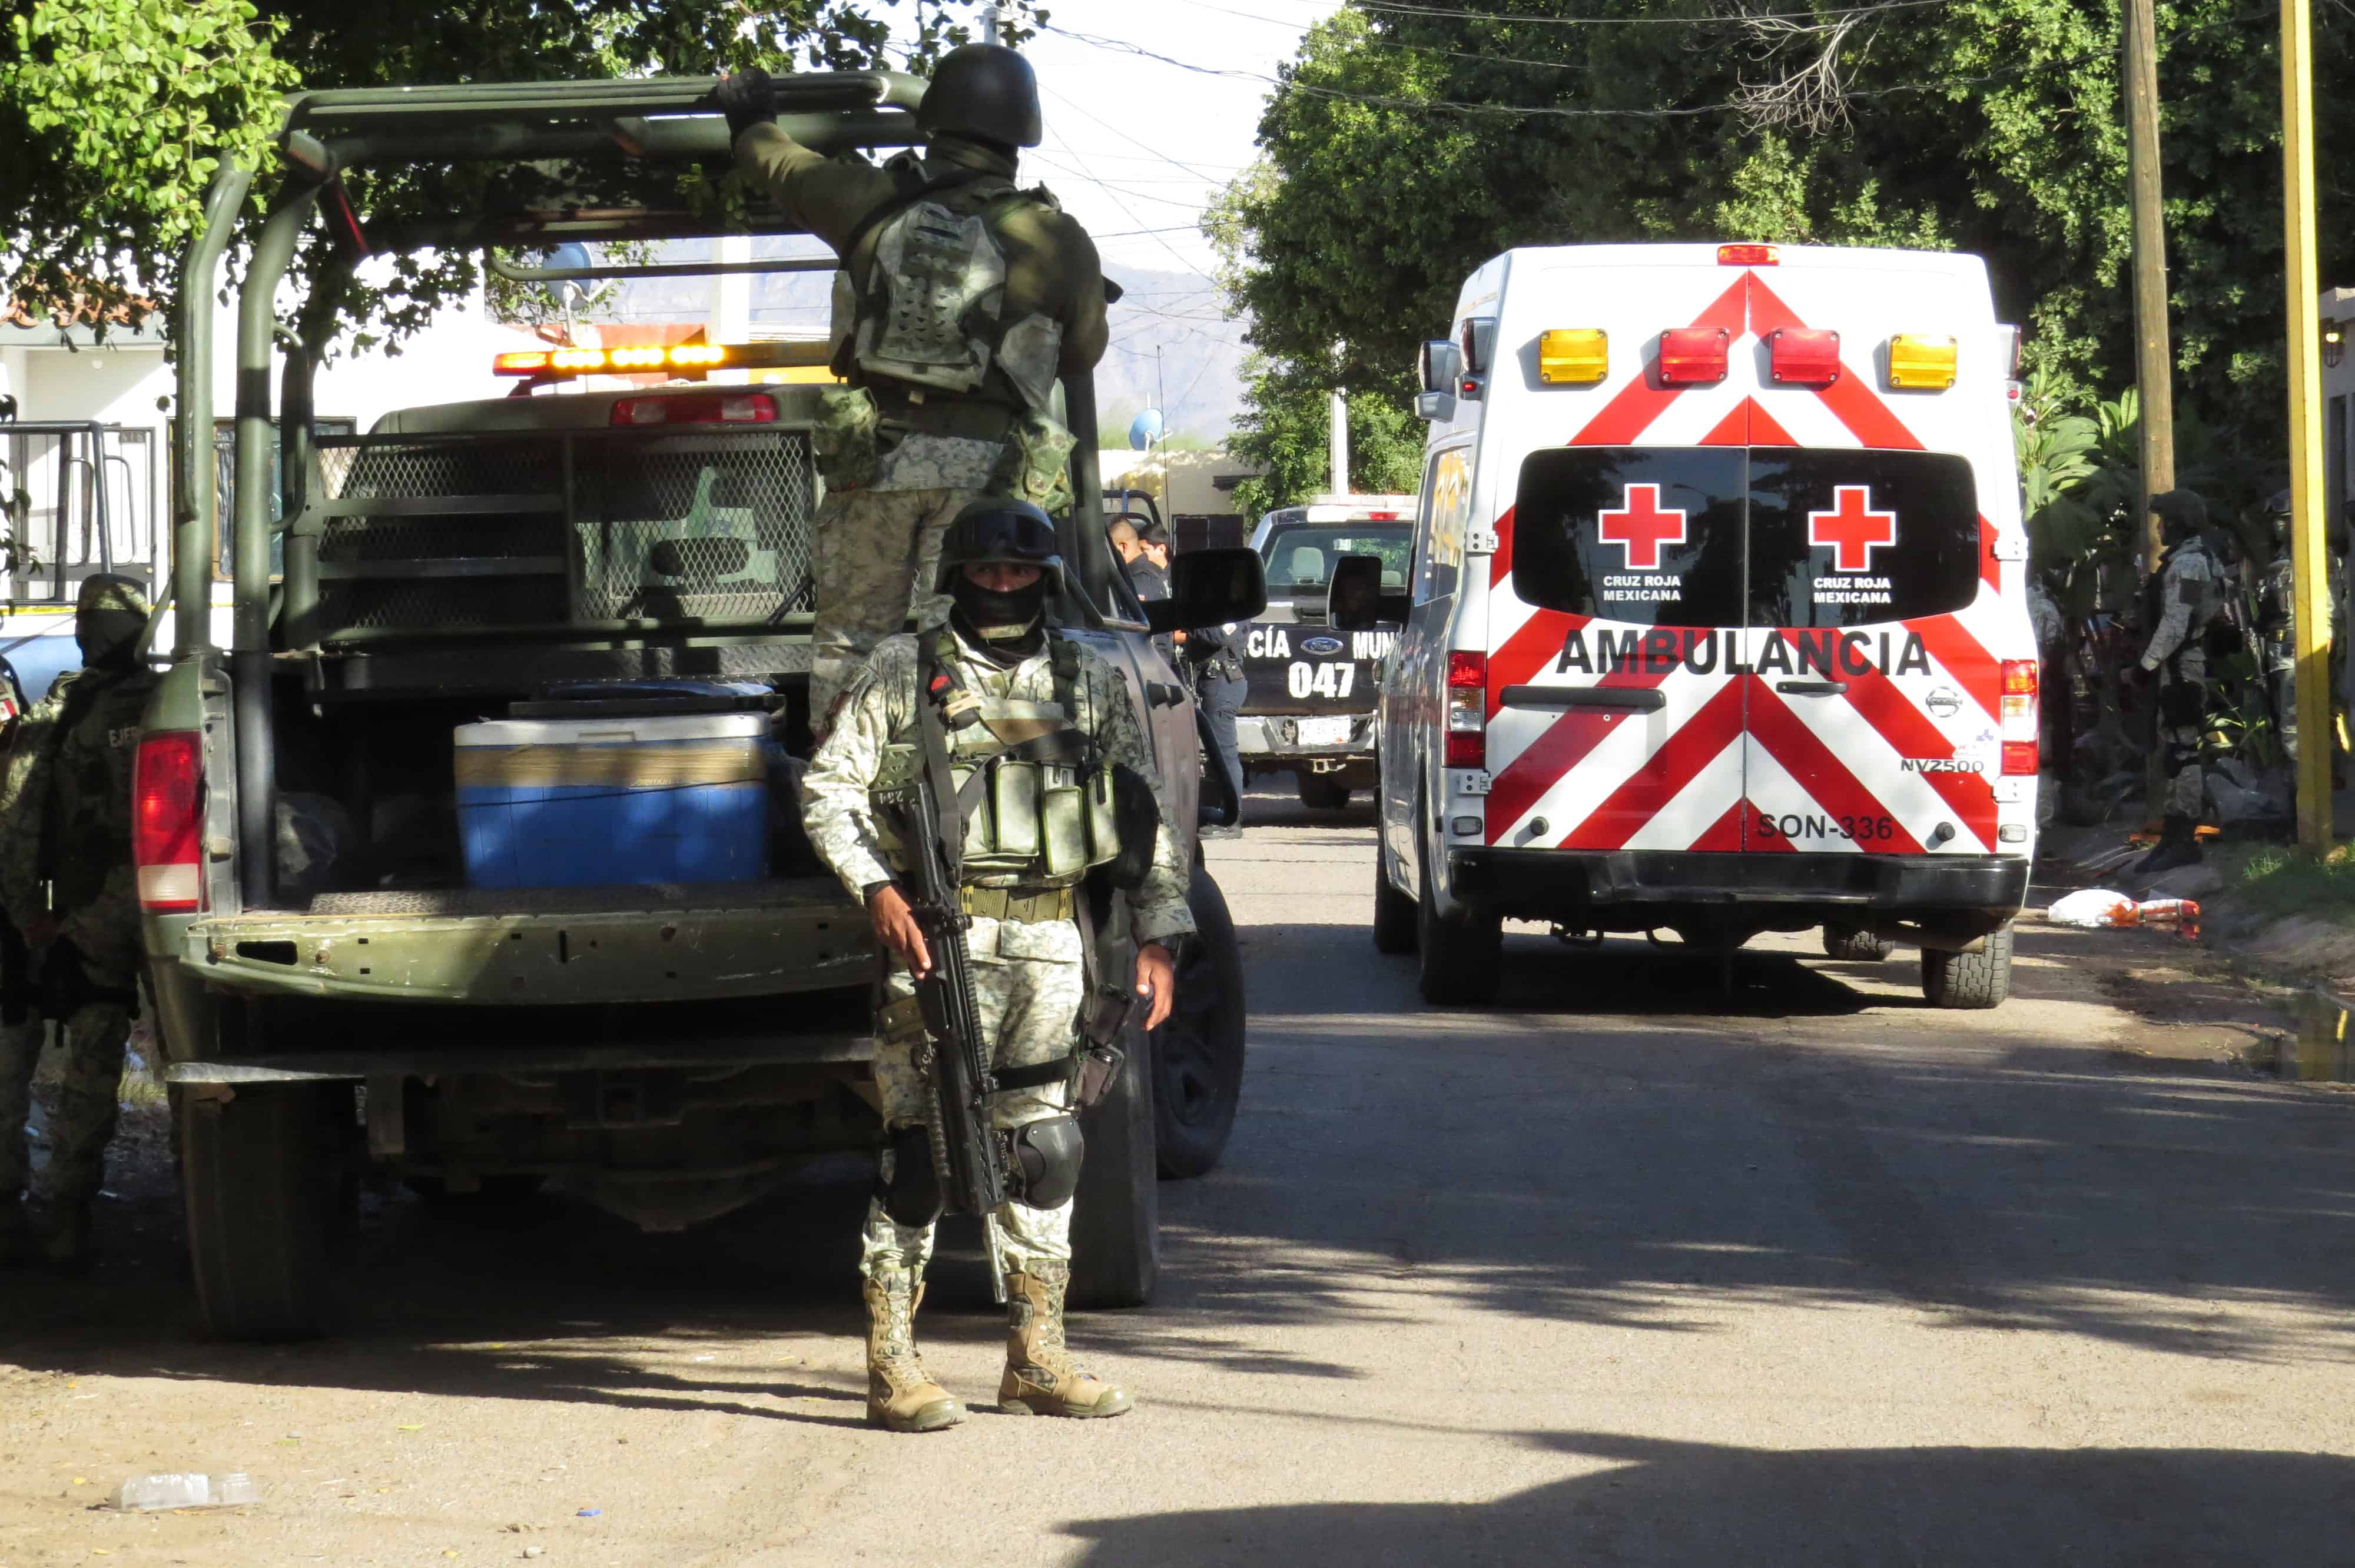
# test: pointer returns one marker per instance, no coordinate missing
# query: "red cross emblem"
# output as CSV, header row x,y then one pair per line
x,y
1643,526
1852,528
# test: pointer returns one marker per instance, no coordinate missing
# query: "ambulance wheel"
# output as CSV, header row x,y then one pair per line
x,y
1855,947
257,1172
1116,1219
1972,980
1324,791
1198,1055
1394,917
1463,955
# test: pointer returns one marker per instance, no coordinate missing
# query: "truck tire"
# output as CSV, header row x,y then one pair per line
x,y
1198,1055
1324,791
1117,1217
1462,955
1394,917
1855,947
259,1174
1969,981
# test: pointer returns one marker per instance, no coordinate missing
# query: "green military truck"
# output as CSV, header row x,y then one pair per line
x,y
347,981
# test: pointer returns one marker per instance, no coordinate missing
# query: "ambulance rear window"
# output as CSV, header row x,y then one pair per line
x,y
1727,536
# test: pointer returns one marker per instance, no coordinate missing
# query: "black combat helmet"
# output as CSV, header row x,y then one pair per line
x,y
985,91
999,528
109,615
2183,511
2277,515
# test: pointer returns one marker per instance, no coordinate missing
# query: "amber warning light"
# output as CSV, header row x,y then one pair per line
x,y
642,359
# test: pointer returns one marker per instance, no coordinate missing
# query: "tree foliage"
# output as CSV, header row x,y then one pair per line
x,y
1405,146
117,112
1287,426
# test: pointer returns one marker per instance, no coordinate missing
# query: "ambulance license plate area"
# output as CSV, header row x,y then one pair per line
x,y
1325,731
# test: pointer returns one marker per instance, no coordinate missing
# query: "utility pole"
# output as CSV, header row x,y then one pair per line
x,y
2154,367
2309,560
990,33
1337,441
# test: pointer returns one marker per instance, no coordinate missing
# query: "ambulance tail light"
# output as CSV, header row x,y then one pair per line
x,y
1693,356
1802,356
2016,713
1574,356
166,821
728,408
1467,710
1921,362
1748,256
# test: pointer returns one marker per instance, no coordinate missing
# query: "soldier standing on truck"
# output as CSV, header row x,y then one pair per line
x,y
1003,681
2185,597
68,889
963,299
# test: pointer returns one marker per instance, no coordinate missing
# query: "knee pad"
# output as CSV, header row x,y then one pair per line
x,y
913,1197
1046,1156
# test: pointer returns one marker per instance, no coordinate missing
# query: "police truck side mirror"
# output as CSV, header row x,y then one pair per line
x,y
1355,601
1442,365
1209,588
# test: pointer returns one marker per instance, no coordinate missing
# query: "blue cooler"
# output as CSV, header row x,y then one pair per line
x,y
594,801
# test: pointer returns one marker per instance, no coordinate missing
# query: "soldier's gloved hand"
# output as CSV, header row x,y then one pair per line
x,y
1156,978
745,97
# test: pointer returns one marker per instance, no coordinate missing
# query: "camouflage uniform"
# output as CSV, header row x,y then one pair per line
x,y
887,502
65,857
2190,590
1029,977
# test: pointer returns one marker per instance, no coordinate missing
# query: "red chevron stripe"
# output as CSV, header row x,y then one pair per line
x,y
1629,414
1561,747
1625,810
1971,665
1527,650
1881,703
1851,399
1724,835
1817,768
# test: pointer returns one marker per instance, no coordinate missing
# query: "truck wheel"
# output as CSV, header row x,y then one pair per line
x,y
1464,956
1394,917
1198,1055
1855,947
1116,1219
1969,981
257,1172
1324,791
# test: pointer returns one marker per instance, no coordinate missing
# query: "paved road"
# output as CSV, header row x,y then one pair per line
x,y
1629,1270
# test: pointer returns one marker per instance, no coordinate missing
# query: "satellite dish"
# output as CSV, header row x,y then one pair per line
x,y
569,255
1143,430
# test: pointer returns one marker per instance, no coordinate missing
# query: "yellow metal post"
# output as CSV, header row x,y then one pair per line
x,y
2309,562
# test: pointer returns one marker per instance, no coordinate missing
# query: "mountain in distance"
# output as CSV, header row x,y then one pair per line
x,y
1201,353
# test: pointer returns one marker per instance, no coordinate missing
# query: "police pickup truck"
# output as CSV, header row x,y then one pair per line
x,y
1310,708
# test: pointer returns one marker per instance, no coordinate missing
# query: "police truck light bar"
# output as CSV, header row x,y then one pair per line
x,y
1693,356
1748,256
1468,709
1574,356
1921,362
641,359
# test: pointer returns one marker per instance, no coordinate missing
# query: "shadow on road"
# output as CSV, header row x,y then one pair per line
x,y
1686,1503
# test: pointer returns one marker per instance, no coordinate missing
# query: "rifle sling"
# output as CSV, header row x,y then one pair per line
x,y
935,741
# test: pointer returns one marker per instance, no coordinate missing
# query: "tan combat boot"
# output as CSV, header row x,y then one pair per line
x,y
900,1396
1040,1377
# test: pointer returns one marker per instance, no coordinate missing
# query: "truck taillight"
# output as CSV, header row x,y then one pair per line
x,y
2016,712
167,820
1467,710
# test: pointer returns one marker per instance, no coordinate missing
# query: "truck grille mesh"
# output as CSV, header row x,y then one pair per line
x,y
712,526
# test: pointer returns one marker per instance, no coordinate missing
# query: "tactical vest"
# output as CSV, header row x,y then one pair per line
x,y
1037,799
2205,595
930,314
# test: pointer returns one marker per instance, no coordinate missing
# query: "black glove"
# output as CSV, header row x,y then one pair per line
x,y
747,97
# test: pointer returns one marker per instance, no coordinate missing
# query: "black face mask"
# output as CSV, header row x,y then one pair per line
x,y
999,617
108,639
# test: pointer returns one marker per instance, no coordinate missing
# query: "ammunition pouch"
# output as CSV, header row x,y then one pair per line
x,y
847,439
1036,464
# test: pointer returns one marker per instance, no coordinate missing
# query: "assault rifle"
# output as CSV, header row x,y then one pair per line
x,y
966,1154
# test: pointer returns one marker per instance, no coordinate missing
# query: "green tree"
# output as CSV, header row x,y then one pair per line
x,y
1287,425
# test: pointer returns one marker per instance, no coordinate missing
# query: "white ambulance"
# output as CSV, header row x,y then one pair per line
x,y
1717,618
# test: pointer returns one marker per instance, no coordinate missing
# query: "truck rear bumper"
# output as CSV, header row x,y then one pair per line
x,y
1273,740
1629,890
573,946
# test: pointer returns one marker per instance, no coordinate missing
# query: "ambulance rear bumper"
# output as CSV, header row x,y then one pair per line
x,y
1630,890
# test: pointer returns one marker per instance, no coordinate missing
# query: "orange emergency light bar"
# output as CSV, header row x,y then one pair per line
x,y
641,359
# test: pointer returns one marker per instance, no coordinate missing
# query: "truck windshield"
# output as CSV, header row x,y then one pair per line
x,y
1733,536
1303,557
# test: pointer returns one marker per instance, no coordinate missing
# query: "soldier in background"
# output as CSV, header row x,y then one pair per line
x,y
2272,623
67,887
2182,600
963,299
